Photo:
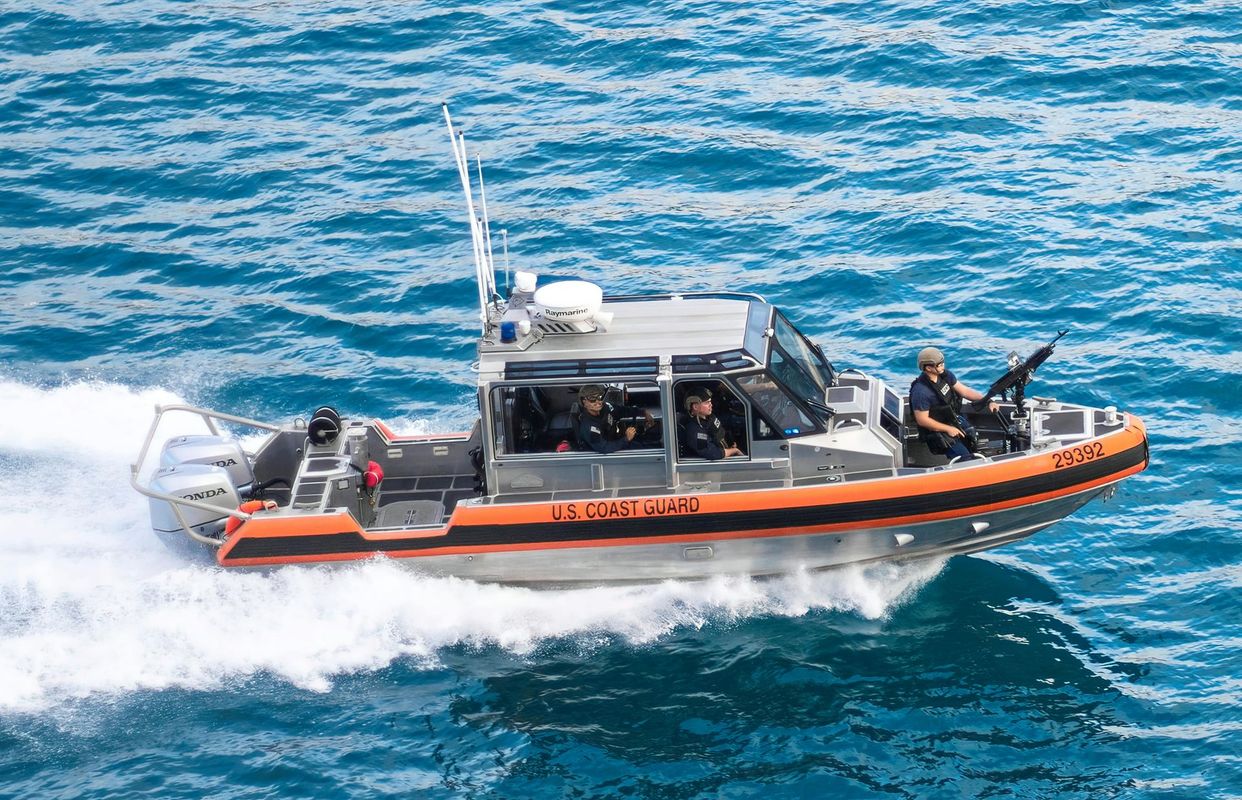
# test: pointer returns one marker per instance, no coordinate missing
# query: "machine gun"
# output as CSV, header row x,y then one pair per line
x,y
1019,374
1015,381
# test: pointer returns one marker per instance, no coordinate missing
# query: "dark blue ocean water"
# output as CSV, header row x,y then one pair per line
x,y
252,206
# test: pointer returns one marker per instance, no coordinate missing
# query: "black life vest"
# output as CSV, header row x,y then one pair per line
x,y
612,425
718,431
607,423
705,438
946,406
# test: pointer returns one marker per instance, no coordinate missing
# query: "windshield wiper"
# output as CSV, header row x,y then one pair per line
x,y
823,410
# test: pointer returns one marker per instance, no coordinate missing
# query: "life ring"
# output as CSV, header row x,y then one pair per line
x,y
248,507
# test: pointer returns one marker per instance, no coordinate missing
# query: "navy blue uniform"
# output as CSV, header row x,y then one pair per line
x,y
705,438
943,405
604,434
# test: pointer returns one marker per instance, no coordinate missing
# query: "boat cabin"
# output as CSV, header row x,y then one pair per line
x,y
795,419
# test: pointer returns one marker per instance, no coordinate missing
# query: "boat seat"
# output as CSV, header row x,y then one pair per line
x,y
562,425
683,451
551,408
917,454
575,414
509,427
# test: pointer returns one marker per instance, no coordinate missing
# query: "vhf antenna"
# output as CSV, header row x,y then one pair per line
x,y
484,272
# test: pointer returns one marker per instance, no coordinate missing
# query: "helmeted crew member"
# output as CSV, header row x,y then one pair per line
x,y
936,400
705,436
599,426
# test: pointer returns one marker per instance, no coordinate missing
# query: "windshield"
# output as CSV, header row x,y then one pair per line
x,y
795,378
803,359
776,406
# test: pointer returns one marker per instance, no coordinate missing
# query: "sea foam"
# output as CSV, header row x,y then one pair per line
x,y
91,603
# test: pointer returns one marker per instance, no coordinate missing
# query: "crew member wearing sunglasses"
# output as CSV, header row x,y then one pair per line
x,y
936,400
600,424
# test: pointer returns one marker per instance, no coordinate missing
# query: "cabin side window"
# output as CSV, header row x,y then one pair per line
x,y
779,415
548,418
726,407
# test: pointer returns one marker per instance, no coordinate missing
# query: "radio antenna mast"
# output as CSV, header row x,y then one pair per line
x,y
483,277
487,231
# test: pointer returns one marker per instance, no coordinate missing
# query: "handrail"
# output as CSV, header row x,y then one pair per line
x,y
630,298
208,416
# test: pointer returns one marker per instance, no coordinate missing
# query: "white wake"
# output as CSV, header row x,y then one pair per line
x,y
92,604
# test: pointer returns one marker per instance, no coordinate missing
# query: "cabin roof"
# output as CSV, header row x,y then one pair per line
x,y
640,327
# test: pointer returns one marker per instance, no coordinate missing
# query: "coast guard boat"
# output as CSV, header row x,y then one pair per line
x,y
833,471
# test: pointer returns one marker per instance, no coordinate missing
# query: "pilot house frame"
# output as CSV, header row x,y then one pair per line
x,y
762,373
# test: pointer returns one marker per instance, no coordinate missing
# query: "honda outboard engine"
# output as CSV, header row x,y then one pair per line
x,y
203,483
218,451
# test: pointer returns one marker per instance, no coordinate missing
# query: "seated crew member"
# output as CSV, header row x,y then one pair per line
x,y
599,425
705,436
936,400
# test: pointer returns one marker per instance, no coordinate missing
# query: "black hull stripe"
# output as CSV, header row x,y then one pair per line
x,y
350,542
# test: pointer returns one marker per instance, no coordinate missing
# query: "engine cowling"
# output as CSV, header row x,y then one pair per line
x,y
217,451
204,483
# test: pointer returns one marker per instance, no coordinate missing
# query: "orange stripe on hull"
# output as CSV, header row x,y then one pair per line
x,y
930,485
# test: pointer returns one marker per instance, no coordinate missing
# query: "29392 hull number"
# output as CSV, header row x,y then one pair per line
x,y
1078,455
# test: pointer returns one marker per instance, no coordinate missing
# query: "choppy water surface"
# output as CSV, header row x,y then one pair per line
x,y
253,207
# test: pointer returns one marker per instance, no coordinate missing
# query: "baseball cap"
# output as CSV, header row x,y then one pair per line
x,y
698,396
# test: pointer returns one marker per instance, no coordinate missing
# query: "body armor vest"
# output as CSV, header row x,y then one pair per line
x,y
947,405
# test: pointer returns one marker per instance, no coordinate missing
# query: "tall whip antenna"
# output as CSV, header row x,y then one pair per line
x,y
487,230
504,243
484,280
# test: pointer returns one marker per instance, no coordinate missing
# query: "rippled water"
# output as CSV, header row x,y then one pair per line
x,y
253,207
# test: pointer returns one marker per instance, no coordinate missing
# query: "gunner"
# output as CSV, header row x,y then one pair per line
x,y
705,436
936,400
599,427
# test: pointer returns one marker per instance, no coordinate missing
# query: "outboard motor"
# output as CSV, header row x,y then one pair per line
x,y
204,483
217,451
